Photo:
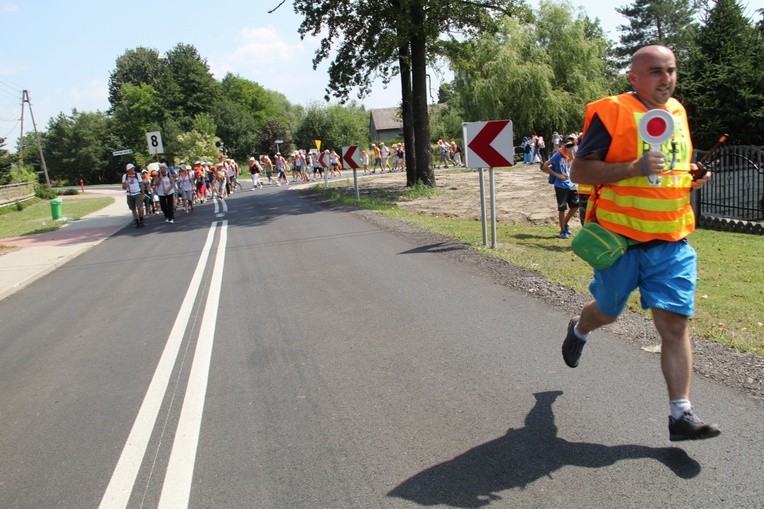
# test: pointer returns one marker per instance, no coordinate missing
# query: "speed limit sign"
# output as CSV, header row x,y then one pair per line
x,y
154,140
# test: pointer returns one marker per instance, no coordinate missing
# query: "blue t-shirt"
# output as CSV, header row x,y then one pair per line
x,y
561,165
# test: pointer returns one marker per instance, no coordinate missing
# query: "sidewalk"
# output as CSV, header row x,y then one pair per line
x,y
40,254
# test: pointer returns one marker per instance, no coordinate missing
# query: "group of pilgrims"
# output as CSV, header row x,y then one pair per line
x,y
162,188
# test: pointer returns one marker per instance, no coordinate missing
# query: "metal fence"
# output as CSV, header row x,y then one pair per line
x,y
733,200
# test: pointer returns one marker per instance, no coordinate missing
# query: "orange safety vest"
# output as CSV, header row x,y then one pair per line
x,y
633,207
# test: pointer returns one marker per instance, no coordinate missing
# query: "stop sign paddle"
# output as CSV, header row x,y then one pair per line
x,y
656,127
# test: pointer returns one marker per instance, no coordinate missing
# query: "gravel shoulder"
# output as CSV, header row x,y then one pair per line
x,y
523,196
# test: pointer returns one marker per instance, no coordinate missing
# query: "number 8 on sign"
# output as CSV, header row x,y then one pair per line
x,y
154,141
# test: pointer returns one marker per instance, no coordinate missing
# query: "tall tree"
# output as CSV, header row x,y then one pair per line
x,y
540,74
79,146
251,97
135,66
376,39
667,22
723,86
187,87
138,112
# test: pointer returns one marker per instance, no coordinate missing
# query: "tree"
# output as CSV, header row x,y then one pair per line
x,y
138,112
79,146
314,126
6,160
402,36
723,86
336,126
271,131
196,146
139,66
187,86
540,74
667,22
250,96
236,128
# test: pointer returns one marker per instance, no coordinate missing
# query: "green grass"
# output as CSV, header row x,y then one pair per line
x,y
36,215
730,292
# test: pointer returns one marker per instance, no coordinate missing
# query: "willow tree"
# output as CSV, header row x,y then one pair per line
x,y
381,39
540,74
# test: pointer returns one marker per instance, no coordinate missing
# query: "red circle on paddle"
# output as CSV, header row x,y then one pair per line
x,y
656,126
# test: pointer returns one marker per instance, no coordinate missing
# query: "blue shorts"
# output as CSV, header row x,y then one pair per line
x,y
665,274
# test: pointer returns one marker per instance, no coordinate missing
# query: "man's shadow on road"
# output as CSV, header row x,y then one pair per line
x,y
522,456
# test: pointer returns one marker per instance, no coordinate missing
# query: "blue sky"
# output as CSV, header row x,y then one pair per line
x,y
62,51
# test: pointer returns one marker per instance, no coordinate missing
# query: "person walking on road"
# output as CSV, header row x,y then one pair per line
x,y
133,186
164,185
254,172
657,214
186,184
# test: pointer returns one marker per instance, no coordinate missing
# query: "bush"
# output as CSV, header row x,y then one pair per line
x,y
18,174
69,192
45,192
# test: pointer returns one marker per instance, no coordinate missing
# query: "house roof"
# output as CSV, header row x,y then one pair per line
x,y
387,118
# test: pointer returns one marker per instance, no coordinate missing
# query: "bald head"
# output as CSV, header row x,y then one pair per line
x,y
648,54
653,75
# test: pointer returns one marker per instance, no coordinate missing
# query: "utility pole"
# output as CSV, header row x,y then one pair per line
x,y
25,99
21,137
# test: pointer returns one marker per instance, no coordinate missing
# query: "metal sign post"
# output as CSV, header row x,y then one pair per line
x,y
493,207
488,144
482,206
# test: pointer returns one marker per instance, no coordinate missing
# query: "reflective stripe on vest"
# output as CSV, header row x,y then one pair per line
x,y
633,207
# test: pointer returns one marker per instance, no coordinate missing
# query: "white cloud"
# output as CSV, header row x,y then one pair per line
x,y
281,61
259,53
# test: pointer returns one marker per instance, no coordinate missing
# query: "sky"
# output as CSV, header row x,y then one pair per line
x,y
62,51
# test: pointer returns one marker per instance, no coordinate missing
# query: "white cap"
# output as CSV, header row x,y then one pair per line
x,y
130,166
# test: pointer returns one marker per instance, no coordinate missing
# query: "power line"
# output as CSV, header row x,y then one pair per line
x,y
13,128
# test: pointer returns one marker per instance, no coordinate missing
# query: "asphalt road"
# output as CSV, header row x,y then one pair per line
x,y
279,354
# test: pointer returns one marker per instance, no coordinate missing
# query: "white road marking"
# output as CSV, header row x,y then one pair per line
x,y
220,205
180,470
123,479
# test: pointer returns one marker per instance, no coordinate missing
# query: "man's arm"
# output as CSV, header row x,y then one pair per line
x,y
590,169
589,166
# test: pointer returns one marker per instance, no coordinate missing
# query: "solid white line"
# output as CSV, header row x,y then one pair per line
x,y
122,480
180,470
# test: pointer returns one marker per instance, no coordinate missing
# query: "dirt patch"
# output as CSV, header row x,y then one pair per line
x,y
524,196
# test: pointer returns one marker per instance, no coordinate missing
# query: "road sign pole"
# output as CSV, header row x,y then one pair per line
x,y
482,206
355,184
493,207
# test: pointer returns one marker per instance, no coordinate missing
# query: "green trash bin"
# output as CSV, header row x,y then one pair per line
x,y
55,208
